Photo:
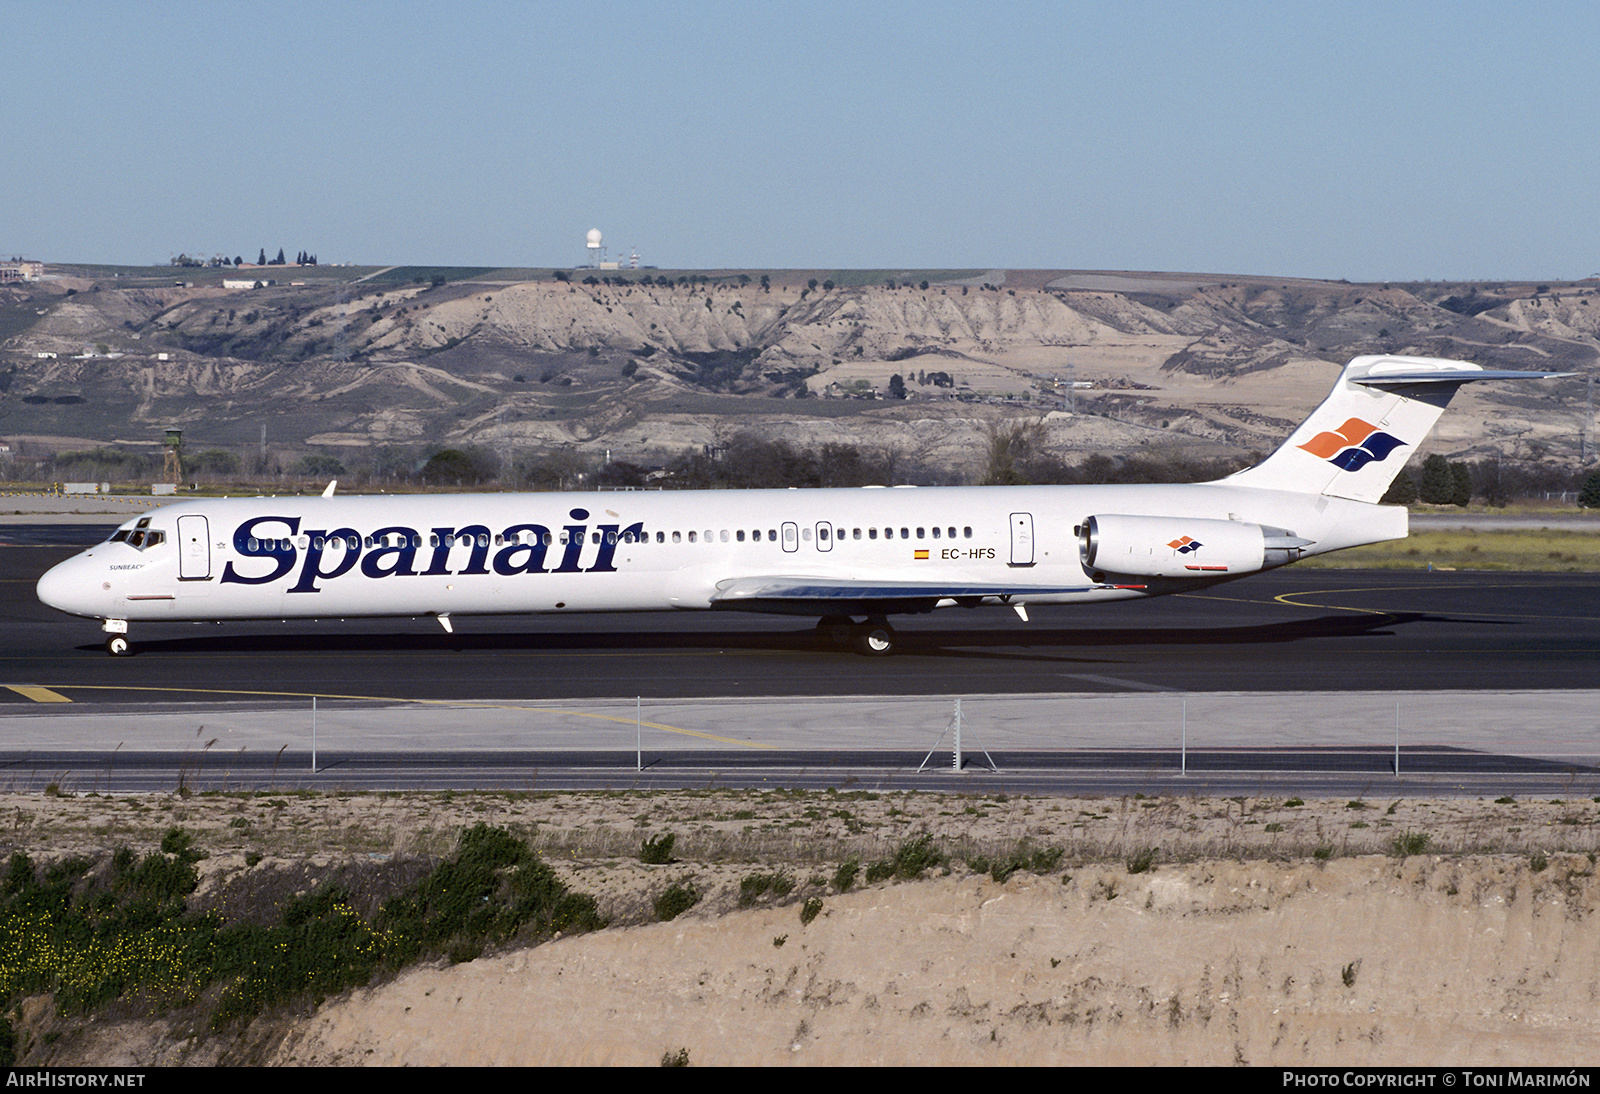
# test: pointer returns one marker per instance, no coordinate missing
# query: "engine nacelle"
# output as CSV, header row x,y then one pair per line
x,y
1182,546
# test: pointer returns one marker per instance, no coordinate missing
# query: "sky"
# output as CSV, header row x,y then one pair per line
x,y
1368,141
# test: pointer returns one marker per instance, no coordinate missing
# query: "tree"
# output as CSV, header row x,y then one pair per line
x,y
1462,493
318,466
1438,485
1402,491
212,461
261,259
1489,484
897,386
279,261
1589,496
1012,446
453,467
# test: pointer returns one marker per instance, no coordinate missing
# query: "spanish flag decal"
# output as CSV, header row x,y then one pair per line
x,y
919,554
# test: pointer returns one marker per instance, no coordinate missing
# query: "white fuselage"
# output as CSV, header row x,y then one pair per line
x,y
480,554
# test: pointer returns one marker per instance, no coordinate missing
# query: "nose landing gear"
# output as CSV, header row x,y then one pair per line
x,y
117,644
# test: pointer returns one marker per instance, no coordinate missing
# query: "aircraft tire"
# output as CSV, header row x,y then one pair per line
x,y
117,646
875,639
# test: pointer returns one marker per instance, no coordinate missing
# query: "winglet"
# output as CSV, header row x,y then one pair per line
x,y
328,493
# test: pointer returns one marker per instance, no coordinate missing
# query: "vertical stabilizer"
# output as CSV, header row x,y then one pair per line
x,y
1356,442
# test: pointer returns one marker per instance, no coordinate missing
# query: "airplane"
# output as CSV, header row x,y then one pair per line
x,y
850,557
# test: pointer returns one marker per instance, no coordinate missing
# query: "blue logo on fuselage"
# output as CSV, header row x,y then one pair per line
x,y
393,551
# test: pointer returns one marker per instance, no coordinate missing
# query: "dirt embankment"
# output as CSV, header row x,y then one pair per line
x,y
1356,961
1173,930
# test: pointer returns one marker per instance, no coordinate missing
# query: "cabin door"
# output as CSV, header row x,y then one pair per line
x,y
194,548
1022,539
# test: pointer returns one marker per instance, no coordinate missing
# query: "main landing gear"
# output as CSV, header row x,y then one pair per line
x,y
874,637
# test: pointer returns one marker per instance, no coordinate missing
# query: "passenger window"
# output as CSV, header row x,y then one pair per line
x,y
739,535
919,534
822,532
724,535
872,533
936,532
855,533
905,533
967,531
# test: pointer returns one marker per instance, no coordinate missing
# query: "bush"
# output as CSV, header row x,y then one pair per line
x,y
675,901
756,886
1412,843
845,875
657,851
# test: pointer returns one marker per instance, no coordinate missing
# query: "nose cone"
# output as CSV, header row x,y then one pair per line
x,y
67,588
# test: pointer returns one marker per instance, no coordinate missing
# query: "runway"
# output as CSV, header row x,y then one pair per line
x,y
1289,630
1362,636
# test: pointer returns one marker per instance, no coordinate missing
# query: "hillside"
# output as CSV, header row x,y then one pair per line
x,y
653,363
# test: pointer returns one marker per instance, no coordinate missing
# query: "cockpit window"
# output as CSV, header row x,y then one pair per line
x,y
144,540
119,535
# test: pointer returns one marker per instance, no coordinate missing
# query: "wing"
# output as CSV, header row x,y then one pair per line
x,y
844,596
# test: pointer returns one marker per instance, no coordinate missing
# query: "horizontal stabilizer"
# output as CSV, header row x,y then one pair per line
x,y
1454,376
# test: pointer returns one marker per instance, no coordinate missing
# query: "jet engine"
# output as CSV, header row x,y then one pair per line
x,y
1182,546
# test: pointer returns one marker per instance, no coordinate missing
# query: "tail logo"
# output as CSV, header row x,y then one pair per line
x,y
1353,446
1185,545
